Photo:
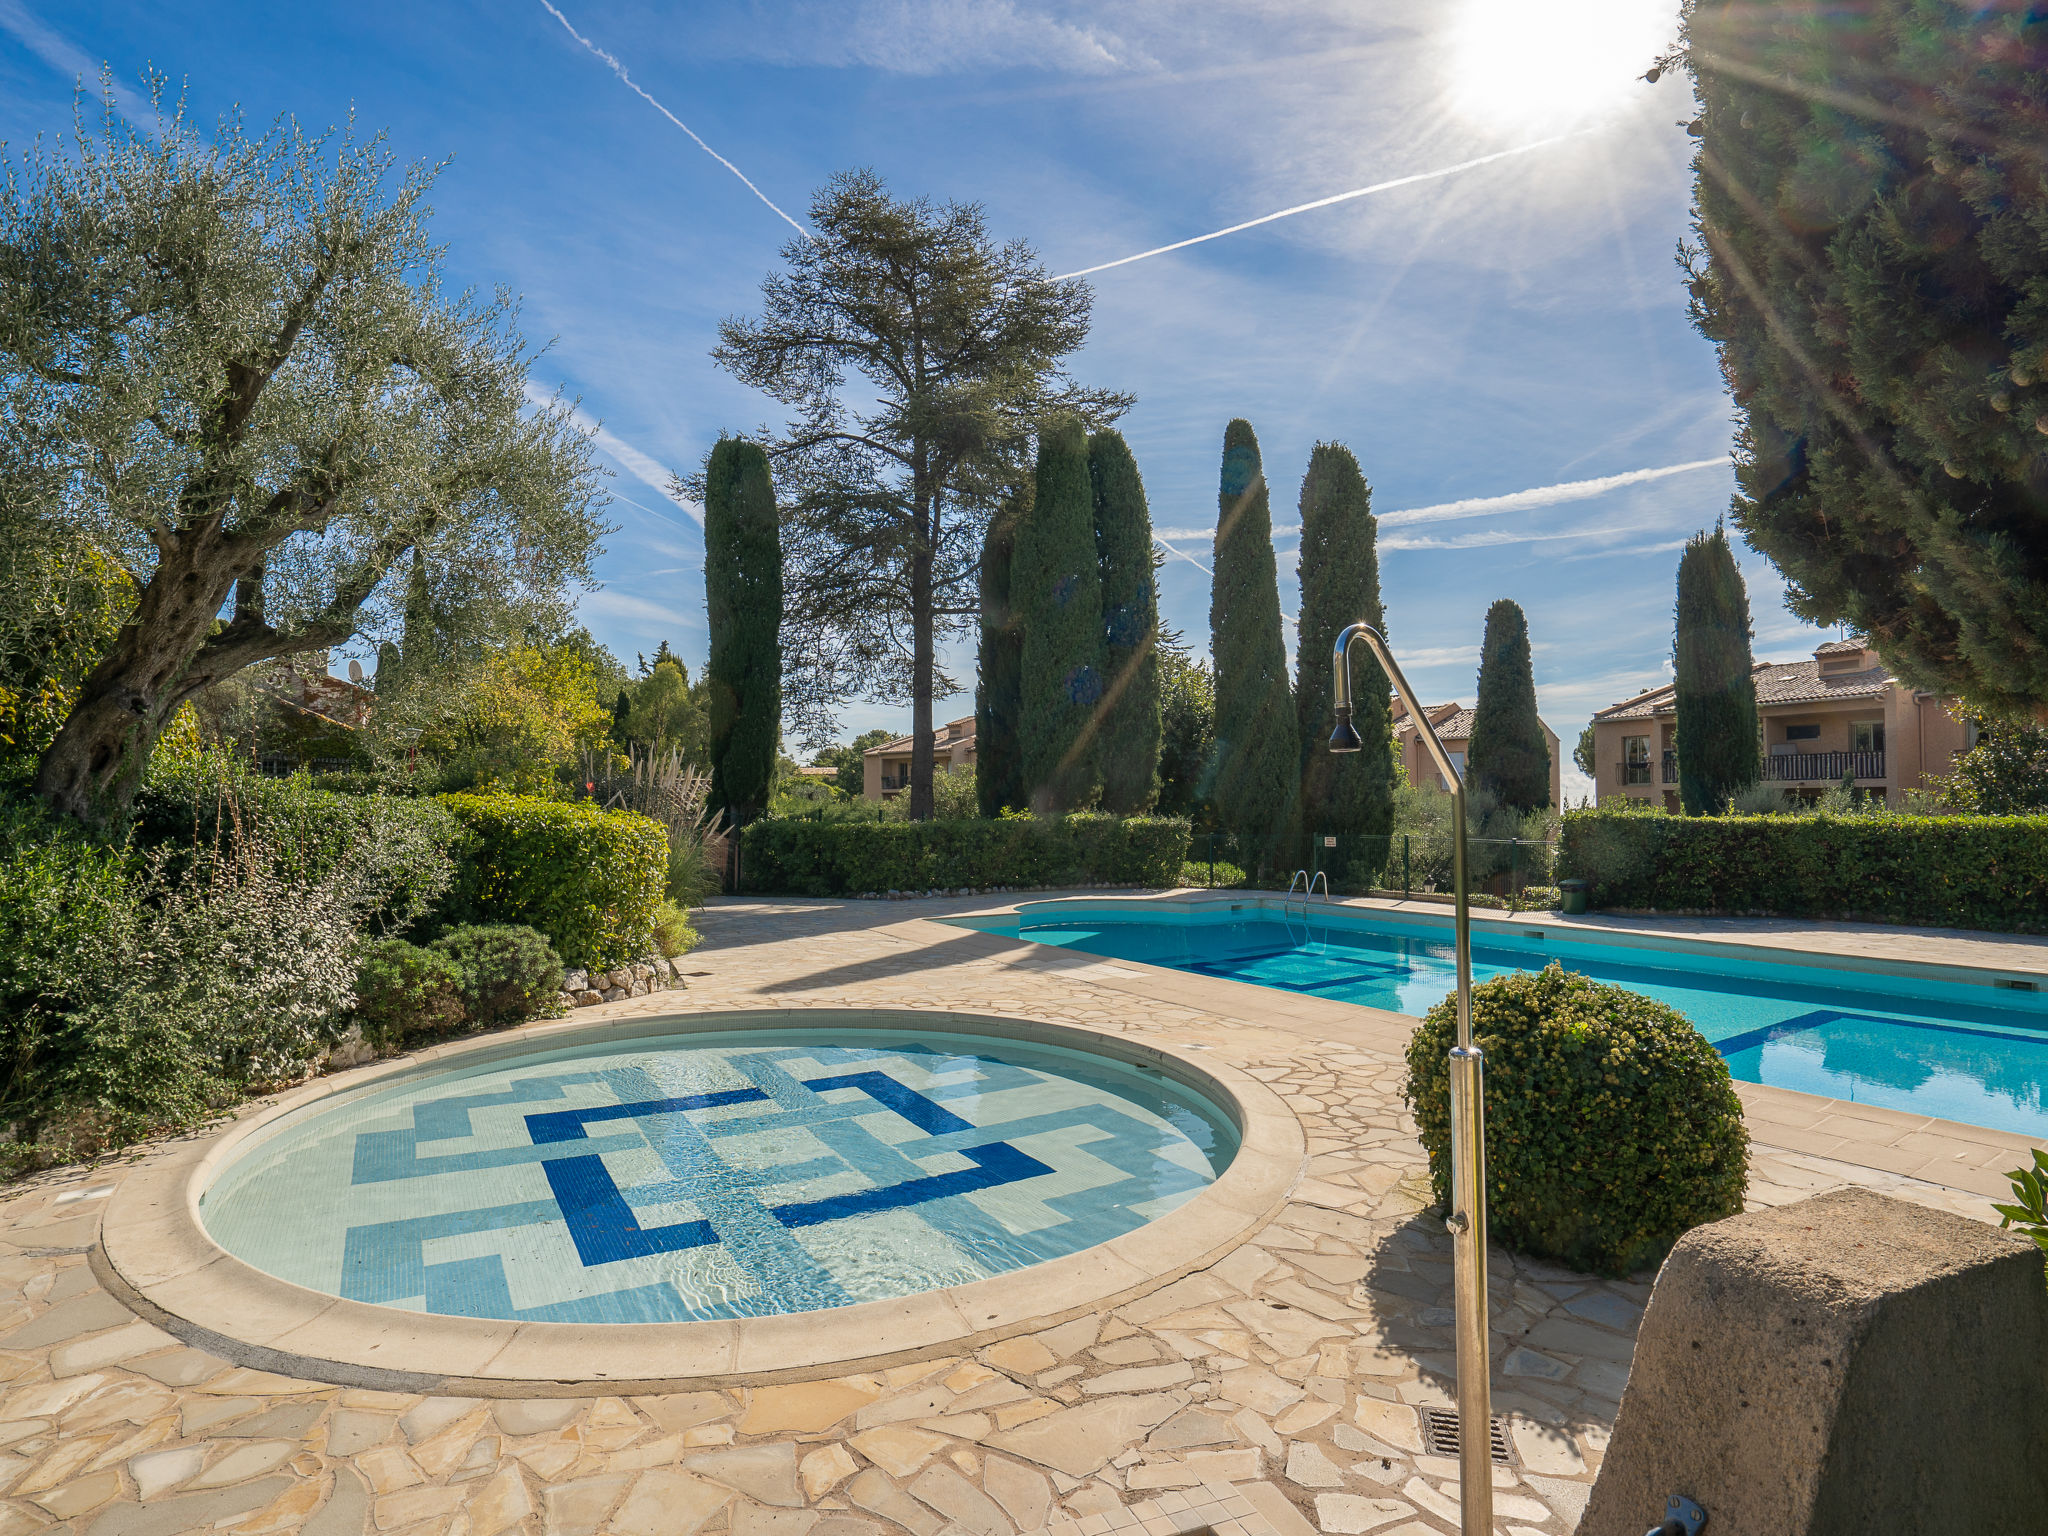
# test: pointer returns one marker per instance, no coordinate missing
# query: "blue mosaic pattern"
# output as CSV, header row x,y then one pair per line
x,y
717,1176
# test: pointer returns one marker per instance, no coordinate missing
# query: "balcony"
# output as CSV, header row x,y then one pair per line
x,y
1634,773
1670,767
1822,767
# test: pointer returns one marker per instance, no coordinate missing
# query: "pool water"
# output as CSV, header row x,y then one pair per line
x,y
1929,1044
714,1175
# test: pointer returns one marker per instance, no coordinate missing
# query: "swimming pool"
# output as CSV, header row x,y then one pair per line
x,y
1931,1040
714,1174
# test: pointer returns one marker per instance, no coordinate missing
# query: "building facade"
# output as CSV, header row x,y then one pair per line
x,y
1453,724
885,770
1840,715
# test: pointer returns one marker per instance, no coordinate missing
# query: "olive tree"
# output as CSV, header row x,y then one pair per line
x,y
233,368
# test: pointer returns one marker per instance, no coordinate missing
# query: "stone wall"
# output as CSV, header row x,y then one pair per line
x,y
586,989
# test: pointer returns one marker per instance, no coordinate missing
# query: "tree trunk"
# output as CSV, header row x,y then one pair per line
x,y
921,665
93,768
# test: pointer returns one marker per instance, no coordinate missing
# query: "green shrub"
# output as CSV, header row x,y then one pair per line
x,y
139,991
1611,1124
504,973
588,879
1202,872
821,858
673,934
404,846
1940,871
404,992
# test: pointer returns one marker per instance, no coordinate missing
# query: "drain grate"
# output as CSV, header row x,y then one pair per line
x,y
1440,1434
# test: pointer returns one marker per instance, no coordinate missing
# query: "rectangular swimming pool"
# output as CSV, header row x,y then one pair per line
x,y
1946,1041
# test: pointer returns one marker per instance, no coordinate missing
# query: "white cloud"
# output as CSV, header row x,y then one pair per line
x,y
1541,495
936,37
1500,536
642,467
61,56
637,613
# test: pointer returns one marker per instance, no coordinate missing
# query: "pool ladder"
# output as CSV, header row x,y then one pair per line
x,y
1308,890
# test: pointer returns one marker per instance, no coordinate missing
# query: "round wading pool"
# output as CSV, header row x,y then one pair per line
x,y
801,1164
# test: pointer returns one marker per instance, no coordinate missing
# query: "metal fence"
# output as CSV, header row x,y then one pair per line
x,y
1513,871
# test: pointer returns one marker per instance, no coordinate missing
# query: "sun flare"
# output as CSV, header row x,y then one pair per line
x,y
1548,64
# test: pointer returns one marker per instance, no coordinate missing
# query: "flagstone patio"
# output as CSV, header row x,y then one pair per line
x,y
1281,1390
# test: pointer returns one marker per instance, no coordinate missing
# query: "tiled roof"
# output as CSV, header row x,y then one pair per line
x,y
1798,682
1457,727
1802,683
948,736
1836,647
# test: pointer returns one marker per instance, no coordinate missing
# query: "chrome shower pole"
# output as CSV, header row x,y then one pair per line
x,y
1467,1219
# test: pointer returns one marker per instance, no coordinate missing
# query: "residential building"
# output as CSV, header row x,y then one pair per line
x,y
886,769
1840,715
1453,724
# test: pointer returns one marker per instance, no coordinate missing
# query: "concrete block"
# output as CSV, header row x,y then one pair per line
x,y
1848,1363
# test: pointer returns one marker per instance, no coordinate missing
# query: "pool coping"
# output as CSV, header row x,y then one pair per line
x,y
155,1254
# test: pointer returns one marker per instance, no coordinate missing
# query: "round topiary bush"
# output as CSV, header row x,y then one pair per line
x,y
404,992
504,973
1611,1125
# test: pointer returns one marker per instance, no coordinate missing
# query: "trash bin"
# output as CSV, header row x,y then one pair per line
x,y
1574,894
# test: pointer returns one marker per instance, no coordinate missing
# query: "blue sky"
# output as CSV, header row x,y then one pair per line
x,y
1505,329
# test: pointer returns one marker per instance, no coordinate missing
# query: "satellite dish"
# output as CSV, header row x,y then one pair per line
x,y
355,670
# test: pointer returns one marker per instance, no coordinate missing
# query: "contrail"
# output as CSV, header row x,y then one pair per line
x,y
1191,560
627,80
1321,202
1541,495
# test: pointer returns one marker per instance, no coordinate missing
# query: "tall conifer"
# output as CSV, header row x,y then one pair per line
x,y
1056,589
1508,753
1258,765
743,597
1717,741
1127,743
1350,796
999,692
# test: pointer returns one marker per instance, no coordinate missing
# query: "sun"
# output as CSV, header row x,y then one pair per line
x,y
1545,65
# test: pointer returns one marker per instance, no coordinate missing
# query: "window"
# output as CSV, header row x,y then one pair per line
x,y
1802,733
1635,759
1866,736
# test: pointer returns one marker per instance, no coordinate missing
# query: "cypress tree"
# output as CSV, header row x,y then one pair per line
x,y
1507,753
1718,746
999,692
1351,796
1258,766
1127,744
743,594
1056,591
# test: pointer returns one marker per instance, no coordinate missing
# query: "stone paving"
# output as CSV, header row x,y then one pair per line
x,y
1283,1390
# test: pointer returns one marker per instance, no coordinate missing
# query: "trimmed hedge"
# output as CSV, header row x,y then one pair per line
x,y
1939,871
589,879
1611,1125
822,858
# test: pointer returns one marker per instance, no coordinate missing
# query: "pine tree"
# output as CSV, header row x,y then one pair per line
x,y
1349,795
743,594
1127,744
999,694
1717,740
1258,766
1056,591
1870,265
1508,755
